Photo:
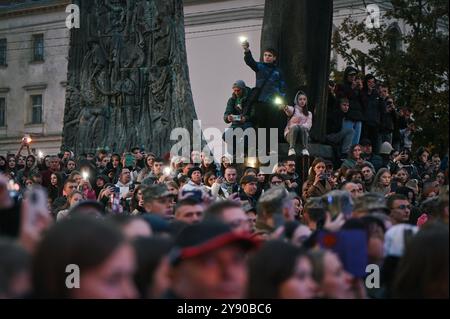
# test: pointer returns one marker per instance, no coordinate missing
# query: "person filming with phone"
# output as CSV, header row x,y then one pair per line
x,y
239,113
317,183
125,183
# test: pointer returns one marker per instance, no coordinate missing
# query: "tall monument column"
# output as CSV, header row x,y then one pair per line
x,y
128,79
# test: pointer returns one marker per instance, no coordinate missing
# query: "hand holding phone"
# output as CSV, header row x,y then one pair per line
x,y
35,217
129,160
37,198
5,200
236,118
334,224
115,200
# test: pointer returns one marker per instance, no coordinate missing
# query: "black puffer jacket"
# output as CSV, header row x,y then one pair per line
x,y
388,119
345,90
373,108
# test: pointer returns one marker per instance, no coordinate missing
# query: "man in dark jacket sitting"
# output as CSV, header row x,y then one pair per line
x,y
239,113
336,133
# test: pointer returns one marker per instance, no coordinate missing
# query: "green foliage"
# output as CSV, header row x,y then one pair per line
x,y
414,63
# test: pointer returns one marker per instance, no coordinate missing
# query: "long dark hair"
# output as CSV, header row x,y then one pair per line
x,y
207,177
305,110
134,203
57,190
423,270
376,180
273,264
407,152
84,241
34,162
350,153
149,254
8,158
312,174
3,168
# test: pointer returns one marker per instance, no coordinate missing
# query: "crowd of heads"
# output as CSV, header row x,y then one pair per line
x,y
140,226
146,225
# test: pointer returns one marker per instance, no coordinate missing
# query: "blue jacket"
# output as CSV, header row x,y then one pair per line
x,y
274,86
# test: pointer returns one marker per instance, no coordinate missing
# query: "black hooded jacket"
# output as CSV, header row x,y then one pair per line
x,y
345,90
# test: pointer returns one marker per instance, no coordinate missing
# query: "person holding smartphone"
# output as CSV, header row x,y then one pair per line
x,y
125,183
317,183
389,115
299,123
239,113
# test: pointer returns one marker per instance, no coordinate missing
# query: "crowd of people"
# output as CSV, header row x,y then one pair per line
x,y
138,225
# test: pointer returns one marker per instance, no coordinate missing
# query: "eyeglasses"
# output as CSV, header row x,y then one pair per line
x,y
403,207
276,182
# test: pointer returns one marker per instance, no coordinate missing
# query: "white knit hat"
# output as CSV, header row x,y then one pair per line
x,y
386,148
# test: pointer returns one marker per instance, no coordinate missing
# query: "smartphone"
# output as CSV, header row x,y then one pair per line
x,y
347,206
129,160
115,200
323,179
236,118
37,197
132,187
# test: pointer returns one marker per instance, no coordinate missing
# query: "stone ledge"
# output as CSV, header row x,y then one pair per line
x,y
38,86
315,150
226,15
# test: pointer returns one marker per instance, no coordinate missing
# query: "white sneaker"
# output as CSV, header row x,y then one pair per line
x,y
305,152
291,151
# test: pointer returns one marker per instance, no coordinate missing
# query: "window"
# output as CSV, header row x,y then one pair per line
x,y
36,109
2,51
38,47
395,39
2,111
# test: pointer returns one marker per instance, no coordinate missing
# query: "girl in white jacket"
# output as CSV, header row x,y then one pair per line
x,y
299,124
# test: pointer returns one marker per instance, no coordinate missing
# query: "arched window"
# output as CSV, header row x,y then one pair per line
x,y
394,38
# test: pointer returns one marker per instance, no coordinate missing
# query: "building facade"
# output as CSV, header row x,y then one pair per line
x,y
34,43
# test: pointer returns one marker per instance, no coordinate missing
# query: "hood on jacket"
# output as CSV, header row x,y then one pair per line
x,y
297,95
348,70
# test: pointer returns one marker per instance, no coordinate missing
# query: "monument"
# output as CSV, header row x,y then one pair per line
x,y
300,30
128,79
